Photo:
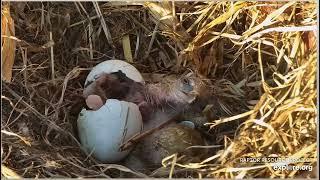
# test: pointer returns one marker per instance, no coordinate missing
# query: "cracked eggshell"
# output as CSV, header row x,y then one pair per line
x,y
102,132
110,66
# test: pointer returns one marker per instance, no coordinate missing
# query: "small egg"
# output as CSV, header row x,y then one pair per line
x,y
101,132
173,139
110,66
176,138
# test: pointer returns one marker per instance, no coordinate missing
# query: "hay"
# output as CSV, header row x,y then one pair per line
x,y
260,57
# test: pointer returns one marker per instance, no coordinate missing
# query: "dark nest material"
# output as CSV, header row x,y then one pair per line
x,y
259,56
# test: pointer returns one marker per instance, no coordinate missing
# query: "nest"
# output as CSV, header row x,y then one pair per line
x,y
260,57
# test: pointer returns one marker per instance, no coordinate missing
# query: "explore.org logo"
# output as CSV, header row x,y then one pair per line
x,y
292,167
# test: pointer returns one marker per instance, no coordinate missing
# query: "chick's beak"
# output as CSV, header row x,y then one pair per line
x,y
194,93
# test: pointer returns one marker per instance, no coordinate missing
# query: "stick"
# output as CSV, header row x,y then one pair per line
x,y
52,59
126,145
34,111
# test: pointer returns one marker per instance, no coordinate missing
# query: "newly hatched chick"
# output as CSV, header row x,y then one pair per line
x,y
158,102
176,94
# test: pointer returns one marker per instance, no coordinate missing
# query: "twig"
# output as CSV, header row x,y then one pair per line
x,y
137,45
280,29
51,48
217,122
16,135
138,23
90,27
14,106
83,21
103,24
52,59
35,112
90,31
126,145
173,163
13,109
152,39
71,75
25,65
8,154
42,17
76,165
174,16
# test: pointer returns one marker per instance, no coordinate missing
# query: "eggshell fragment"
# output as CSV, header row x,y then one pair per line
x,y
102,132
110,66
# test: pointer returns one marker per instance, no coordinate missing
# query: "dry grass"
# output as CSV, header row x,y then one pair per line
x,y
260,56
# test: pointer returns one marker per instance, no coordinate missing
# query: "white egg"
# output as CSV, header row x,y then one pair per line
x,y
110,66
102,132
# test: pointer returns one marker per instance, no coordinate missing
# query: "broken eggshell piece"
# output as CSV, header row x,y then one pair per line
x,y
101,132
111,66
104,129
